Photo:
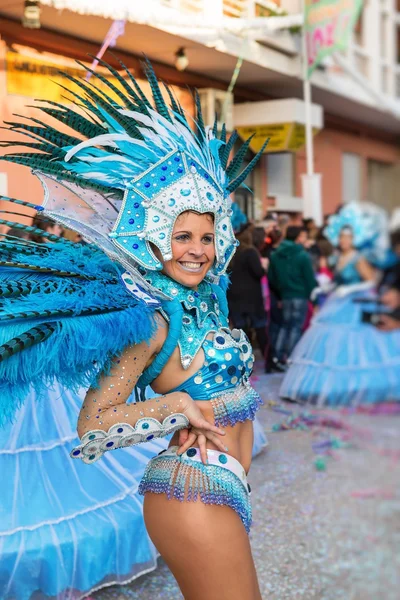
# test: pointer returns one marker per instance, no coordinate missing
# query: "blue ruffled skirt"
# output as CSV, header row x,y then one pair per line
x,y
341,361
67,528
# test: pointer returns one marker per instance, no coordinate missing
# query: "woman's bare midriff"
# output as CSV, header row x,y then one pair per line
x,y
238,439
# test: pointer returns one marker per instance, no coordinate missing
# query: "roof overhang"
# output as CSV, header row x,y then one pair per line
x,y
268,71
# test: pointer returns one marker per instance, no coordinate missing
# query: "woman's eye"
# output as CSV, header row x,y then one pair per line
x,y
208,239
182,238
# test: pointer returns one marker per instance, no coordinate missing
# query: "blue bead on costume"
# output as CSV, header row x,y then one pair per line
x,y
120,176
340,360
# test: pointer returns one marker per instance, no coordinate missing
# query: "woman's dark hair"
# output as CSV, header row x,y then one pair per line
x,y
259,237
245,238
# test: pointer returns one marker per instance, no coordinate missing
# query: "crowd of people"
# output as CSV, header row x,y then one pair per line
x,y
285,269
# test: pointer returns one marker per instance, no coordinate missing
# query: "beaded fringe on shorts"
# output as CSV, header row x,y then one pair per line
x,y
185,480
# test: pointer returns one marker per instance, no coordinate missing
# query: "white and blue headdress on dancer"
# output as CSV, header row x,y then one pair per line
x,y
368,225
119,176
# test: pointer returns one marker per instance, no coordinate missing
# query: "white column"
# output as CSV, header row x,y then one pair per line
x,y
372,41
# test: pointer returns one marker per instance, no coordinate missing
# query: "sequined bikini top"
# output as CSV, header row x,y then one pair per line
x,y
228,363
223,378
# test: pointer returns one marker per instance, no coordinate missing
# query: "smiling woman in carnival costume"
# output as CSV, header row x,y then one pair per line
x,y
143,303
342,360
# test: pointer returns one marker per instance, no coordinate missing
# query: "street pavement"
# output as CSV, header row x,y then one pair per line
x,y
326,505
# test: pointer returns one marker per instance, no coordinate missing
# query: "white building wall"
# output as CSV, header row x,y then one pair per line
x,y
374,47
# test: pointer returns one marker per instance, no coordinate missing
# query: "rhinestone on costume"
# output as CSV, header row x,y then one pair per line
x,y
219,379
186,192
191,452
223,459
198,379
186,360
203,306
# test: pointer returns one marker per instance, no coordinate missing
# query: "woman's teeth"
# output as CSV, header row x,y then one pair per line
x,y
191,266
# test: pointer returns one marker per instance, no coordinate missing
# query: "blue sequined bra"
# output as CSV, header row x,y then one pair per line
x,y
223,379
193,316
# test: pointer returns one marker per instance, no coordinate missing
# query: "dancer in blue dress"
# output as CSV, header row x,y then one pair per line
x,y
342,360
67,530
142,303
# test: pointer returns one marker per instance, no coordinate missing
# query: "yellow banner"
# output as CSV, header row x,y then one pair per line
x,y
40,78
284,137
37,76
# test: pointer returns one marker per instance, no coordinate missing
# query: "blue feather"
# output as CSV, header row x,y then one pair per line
x,y
82,346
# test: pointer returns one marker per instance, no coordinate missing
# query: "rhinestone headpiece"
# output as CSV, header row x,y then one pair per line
x,y
139,167
154,200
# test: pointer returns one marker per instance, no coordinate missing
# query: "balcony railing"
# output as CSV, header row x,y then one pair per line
x,y
226,8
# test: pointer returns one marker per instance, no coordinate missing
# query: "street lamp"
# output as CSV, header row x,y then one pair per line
x,y
181,60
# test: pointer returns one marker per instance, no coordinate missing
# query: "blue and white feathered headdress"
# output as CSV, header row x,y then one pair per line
x,y
139,166
368,224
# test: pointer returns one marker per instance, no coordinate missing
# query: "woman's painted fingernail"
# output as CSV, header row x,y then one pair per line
x,y
226,448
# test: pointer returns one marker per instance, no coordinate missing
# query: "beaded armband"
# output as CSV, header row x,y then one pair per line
x,y
121,435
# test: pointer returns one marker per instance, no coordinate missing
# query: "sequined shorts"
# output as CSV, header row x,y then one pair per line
x,y
223,481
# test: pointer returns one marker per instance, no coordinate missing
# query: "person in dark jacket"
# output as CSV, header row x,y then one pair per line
x,y
245,299
292,278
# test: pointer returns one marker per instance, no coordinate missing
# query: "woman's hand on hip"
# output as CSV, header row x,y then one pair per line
x,y
201,431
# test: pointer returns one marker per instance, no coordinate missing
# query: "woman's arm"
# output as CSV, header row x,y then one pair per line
x,y
366,271
107,405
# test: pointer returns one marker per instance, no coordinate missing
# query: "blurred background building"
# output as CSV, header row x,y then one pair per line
x,y
252,47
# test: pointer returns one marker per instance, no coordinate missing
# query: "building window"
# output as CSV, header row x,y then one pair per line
x,y
383,183
280,174
351,177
